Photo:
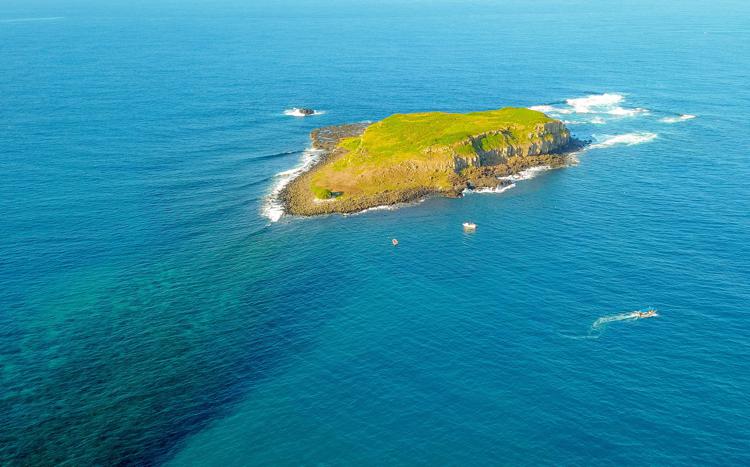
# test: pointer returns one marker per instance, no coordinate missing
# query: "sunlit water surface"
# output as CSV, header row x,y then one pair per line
x,y
151,312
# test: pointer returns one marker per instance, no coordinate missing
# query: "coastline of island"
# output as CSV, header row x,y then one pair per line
x,y
409,157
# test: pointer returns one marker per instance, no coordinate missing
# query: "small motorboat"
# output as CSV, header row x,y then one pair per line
x,y
646,314
469,227
394,241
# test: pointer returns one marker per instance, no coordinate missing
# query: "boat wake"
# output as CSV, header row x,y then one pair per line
x,y
273,208
629,316
598,327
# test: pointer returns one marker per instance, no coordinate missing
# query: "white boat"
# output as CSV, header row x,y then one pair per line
x,y
470,226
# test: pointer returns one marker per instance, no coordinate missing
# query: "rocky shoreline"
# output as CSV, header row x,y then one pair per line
x,y
297,198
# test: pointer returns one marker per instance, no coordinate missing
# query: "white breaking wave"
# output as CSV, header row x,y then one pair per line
x,y
295,112
550,109
384,207
681,118
527,174
628,139
620,111
497,189
503,187
598,105
595,103
273,208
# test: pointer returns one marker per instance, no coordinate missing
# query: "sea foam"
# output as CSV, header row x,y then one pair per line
x,y
681,118
549,109
497,189
527,174
598,105
503,187
595,103
628,139
295,112
273,208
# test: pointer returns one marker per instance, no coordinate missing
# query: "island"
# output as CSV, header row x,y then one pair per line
x,y
407,157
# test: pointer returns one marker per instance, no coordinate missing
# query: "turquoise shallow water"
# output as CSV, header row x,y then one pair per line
x,y
150,312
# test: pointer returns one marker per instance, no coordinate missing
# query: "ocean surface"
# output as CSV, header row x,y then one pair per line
x,y
156,306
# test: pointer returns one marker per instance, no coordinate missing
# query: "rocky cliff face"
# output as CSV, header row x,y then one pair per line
x,y
547,138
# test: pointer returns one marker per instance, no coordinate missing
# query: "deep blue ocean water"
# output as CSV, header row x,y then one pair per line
x,y
150,311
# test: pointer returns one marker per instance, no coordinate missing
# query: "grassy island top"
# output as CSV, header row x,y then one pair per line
x,y
409,136
408,156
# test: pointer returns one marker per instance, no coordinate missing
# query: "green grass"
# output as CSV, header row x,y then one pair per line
x,y
380,158
404,136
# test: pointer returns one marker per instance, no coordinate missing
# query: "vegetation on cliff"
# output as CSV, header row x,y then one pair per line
x,y
407,156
